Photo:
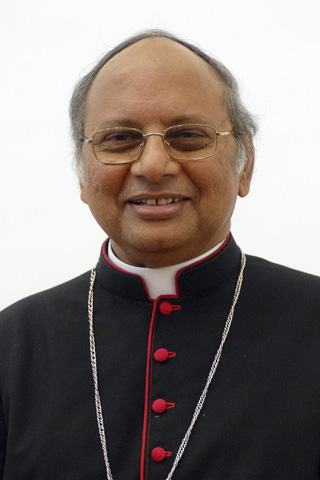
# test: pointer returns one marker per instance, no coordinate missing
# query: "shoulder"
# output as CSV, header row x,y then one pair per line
x,y
64,299
267,271
281,284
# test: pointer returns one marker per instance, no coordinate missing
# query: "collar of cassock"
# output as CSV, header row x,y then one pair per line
x,y
159,281
190,278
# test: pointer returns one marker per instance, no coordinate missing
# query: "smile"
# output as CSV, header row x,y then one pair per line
x,y
157,201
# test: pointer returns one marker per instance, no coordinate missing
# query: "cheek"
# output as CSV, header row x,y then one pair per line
x,y
103,181
102,189
217,184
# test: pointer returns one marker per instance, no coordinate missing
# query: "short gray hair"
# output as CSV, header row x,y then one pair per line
x,y
243,122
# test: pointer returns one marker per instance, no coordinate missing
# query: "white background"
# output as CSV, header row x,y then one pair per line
x,y
47,234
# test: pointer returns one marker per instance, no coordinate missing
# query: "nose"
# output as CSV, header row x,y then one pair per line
x,y
155,162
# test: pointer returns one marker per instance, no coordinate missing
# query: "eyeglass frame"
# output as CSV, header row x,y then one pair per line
x,y
143,144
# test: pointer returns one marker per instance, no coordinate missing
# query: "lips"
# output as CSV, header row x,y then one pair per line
x,y
157,207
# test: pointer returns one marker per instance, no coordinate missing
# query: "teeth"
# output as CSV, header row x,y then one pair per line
x,y
163,201
159,201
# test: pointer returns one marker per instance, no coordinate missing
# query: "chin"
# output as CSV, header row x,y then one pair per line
x,y
153,245
157,241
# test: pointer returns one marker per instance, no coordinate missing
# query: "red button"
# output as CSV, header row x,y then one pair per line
x,y
161,355
160,405
158,454
165,308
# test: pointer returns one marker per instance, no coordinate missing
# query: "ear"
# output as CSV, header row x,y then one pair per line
x,y
246,174
83,192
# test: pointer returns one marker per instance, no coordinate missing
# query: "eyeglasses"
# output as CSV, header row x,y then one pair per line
x,y
183,142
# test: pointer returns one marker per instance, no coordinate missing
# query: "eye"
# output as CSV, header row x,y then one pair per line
x,y
186,134
190,137
117,140
120,137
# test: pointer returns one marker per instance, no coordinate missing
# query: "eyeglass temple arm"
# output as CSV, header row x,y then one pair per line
x,y
222,134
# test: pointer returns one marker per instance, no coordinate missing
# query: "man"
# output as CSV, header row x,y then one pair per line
x,y
177,356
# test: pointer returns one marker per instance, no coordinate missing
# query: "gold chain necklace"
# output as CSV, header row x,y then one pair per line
x,y
93,357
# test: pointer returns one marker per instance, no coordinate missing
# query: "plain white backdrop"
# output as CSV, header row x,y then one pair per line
x,y
272,47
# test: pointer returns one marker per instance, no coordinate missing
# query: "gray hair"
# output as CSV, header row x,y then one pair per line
x,y
244,125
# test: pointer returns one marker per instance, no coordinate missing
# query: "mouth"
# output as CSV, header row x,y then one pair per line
x,y
157,201
160,208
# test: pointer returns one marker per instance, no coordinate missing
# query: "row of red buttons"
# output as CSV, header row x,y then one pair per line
x,y
158,454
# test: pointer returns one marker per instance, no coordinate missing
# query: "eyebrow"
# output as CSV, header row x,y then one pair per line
x,y
117,122
127,122
193,118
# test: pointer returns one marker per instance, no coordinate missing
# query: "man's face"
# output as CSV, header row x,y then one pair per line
x,y
152,85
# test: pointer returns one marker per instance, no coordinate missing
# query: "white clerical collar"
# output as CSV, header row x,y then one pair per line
x,y
159,281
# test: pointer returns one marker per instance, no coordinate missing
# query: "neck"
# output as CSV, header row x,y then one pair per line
x,y
164,258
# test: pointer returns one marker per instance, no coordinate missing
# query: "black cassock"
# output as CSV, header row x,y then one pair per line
x,y
261,417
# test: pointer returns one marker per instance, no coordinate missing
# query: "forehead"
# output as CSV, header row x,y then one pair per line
x,y
155,74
